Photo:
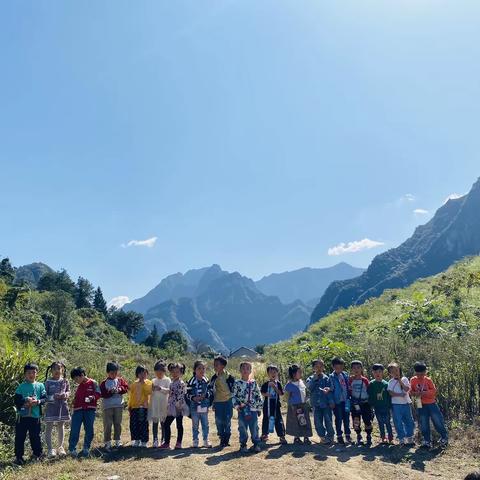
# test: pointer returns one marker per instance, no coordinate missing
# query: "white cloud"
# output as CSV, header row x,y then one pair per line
x,y
149,243
118,302
420,211
453,196
353,247
409,197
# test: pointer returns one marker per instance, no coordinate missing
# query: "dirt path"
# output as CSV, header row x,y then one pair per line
x,y
282,462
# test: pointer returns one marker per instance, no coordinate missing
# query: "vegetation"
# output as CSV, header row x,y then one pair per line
x,y
436,319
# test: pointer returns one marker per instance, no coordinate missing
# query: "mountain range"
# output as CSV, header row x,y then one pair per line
x,y
227,310
452,234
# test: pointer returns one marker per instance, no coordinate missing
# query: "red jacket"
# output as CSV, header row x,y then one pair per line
x,y
122,388
86,390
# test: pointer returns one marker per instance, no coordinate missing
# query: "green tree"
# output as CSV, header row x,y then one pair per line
x,y
130,323
59,305
7,272
99,302
174,339
83,293
153,340
52,281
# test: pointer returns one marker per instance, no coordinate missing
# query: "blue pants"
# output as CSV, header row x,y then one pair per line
x,y
341,417
427,412
384,422
245,425
79,417
223,419
199,418
403,420
322,417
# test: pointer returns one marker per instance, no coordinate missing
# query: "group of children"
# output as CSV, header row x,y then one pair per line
x,y
334,398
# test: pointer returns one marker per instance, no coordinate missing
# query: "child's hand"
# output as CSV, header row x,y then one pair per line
x,y
326,390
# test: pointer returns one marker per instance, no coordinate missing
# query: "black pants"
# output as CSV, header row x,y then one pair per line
x,y
279,425
31,426
139,424
155,430
168,428
362,411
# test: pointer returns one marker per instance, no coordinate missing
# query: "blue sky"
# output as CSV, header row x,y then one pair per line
x,y
253,134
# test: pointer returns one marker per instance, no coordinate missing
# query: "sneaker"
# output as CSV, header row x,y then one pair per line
x,y
243,449
143,444
51,453
410,441
340,441
207,444
195,444
19,462
257,448
165,446
327,441
178,446
264,438
155,443
283,441
61,451
348,439
85,452
73,453
444,442
426,444
108,446
118,444
307,441
359,440
297,441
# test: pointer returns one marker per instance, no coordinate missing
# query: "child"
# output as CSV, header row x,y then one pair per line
x,y
341,398
361,409
398,388
199,394
381,402
157,410
321,398
177,406
29,396
140,392
247,400
84,406
272,391
222,385
57,389
425,393
298,416
112,388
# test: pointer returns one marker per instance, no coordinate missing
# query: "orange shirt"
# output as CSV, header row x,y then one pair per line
x,y
425,385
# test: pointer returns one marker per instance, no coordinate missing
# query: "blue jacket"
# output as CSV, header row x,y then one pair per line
x,y
338,392
318,398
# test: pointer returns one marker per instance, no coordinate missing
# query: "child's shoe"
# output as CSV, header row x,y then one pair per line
x,y
348,439
257,448
51,453
61,451
444,442
340,441
118,444
410,441
195,444
73,453
19,461
307,441
264,438
178,446
165,446
359,440
135,443
207,444
243,448
108,446
390,439
155,443
85,452
143,444
297,441
327,441
283,441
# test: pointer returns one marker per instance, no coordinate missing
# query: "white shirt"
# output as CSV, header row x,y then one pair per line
x,y
395,387
303,390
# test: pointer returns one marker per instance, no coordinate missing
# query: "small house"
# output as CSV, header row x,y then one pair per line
x,y
244,352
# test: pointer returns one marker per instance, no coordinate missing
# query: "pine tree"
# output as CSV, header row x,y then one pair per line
x,y
153,339
83,293
99,302
7,272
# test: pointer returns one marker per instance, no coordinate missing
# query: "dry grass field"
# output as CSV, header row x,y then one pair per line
x,y
281,462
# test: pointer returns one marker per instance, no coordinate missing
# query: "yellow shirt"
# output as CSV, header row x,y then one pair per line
x,y
139,394
222,392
